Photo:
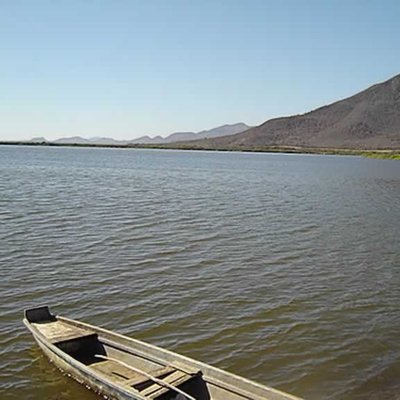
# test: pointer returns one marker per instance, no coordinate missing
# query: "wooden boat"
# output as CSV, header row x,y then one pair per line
x,y
119,367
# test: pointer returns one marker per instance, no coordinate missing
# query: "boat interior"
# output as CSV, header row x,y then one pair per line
x,y
121,365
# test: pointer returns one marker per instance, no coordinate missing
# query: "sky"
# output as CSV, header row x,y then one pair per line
x,y
127,68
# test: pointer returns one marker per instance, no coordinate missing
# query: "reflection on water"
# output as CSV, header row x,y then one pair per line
x,y
281,268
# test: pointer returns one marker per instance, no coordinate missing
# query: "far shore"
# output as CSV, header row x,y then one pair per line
x,y
392,154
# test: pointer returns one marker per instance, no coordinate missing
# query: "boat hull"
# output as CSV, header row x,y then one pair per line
x,y
215,384
86,378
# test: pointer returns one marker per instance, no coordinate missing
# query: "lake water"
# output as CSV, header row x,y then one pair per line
x,y
282,268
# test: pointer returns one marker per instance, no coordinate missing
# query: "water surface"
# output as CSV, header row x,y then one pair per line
x,y
282,268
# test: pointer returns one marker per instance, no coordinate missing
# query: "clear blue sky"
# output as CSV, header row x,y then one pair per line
x,y
124,68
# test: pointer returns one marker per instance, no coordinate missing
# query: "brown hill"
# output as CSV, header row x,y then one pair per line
x,y
368,120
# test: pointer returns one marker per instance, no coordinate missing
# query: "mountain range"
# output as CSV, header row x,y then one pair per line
x,y
174,137
368,120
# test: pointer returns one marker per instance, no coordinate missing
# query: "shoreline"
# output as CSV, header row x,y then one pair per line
x,y
370,153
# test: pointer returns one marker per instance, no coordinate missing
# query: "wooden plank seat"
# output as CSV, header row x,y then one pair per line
x,y
176,378
116,371
129,377
140,382
57,331
172,377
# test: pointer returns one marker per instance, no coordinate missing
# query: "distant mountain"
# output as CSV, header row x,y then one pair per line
x,y
174,137
186,136
147,140
94,140
72,140
106,141
367,120
38,140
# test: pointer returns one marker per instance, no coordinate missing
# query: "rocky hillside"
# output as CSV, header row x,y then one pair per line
x,y
368,120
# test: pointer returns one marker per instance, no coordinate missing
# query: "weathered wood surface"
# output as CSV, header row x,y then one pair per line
x,y
140,379
160,386
59,331
115,371
175,379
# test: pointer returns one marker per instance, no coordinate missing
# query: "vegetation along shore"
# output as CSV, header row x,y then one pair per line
x,y
371,153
